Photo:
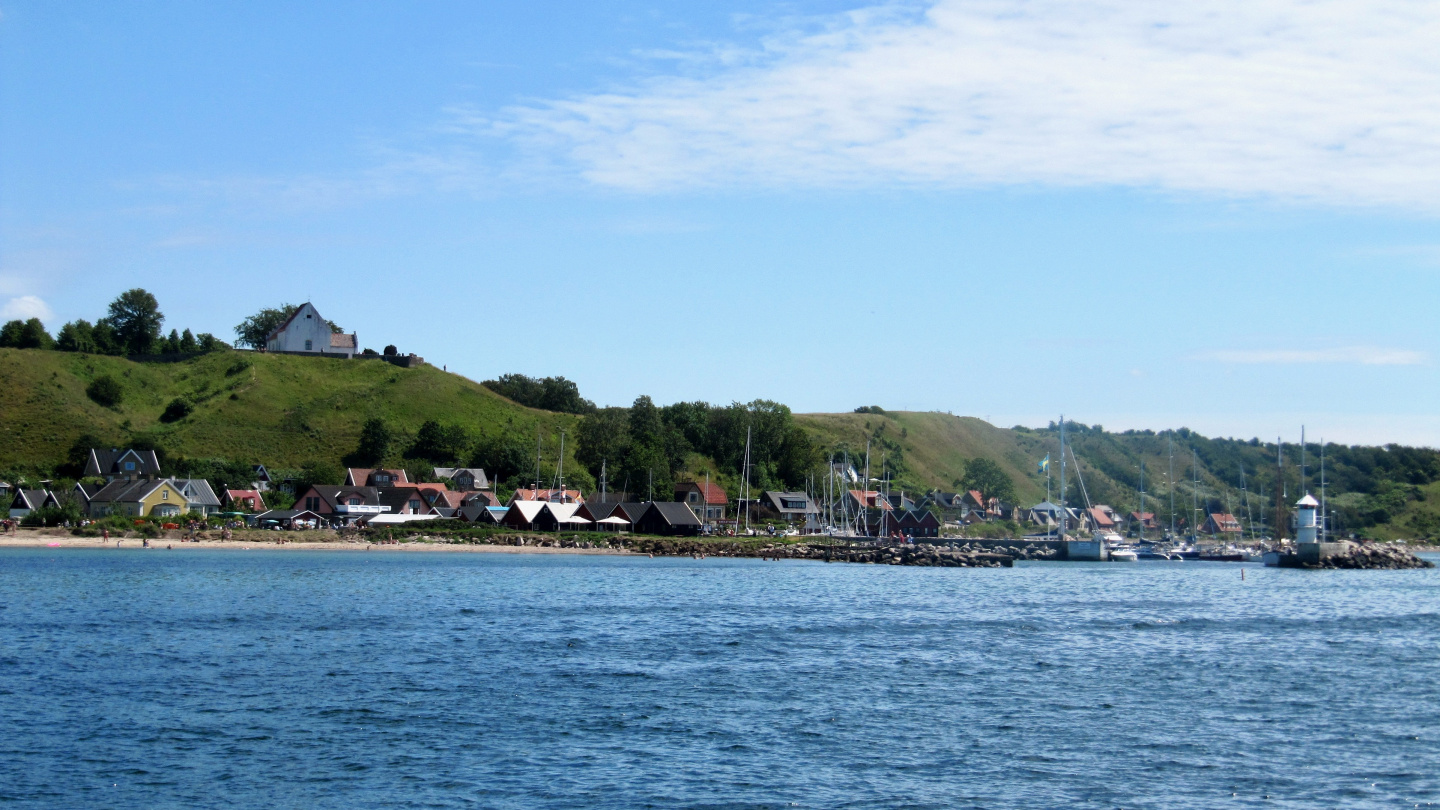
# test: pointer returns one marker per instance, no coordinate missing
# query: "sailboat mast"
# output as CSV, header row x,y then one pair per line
x,y
1322,489
1195,496
1063,513
865,516
1170,444
560,467
745,484
536,492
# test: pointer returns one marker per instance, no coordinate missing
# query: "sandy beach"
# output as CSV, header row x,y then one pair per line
x,y
255,540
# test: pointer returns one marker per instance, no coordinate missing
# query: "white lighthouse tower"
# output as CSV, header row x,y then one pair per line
x,y
1307,529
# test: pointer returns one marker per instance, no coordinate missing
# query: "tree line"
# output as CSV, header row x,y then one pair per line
x,y
132,325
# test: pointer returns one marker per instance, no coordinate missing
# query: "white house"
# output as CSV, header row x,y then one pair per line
x,y
306,331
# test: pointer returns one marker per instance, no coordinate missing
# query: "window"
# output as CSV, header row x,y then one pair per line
x,y
354,501
129,465
309,344
414,506
164,494
382,478
313,504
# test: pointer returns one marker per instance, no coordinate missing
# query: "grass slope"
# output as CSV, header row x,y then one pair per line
x,y
281,410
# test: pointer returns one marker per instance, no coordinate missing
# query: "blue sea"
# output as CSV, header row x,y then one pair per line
x,y
135,678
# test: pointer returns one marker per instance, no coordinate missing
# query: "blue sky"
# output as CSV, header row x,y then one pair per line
x,y
1214,216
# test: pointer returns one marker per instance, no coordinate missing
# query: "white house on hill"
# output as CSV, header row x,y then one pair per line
x,y
306,331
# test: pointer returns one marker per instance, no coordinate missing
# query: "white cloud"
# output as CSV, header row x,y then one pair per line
x,y
1350,355
1329,100
26,307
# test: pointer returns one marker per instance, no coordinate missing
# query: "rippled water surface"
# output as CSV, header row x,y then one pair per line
x,y
221,678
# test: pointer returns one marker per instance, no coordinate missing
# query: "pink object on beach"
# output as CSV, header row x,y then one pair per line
x,y
52,544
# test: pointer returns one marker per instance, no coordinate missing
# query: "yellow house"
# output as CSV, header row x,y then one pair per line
x,y
160,498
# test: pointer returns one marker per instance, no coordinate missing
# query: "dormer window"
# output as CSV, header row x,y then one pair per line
x,y
129,465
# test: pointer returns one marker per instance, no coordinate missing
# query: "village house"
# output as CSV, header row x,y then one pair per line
x,y
159,497
113,465
706,500
465,479
1100,518
244,500
364,477
29,500
668,518
200,499
1221,523
791,507
867,499
343,503
305,331
1142,522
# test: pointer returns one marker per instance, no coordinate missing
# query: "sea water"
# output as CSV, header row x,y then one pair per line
x,y
154,678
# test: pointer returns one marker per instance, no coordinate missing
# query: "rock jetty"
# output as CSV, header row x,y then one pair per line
x,y
1371,556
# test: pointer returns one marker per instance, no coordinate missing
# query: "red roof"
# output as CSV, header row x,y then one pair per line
x,y
256,501
1098,515
712,492
871,499
360,476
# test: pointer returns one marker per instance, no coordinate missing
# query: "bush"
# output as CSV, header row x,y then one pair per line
x,y
177,409
105,390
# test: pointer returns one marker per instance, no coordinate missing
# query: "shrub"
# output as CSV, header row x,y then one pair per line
x,y
177,409
238,366
105,390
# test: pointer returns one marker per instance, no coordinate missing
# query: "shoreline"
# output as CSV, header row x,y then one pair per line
x,y
67,541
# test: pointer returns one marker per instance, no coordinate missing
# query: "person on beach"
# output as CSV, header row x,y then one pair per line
x,y
105,535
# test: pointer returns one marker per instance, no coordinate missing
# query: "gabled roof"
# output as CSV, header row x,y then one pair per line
x,y
124,491
475,472
360,476
1308,500
398,498
30,498
1099,516
630,510
597,511
777,501
714,495
197,491
870,499
233,495
111,462
333,493
341,341
672,513
527,510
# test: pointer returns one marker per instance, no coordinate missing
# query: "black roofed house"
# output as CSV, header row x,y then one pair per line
x,y
116,464
82,493
630,510
28,500
918,523
145,496
465,479
478,512
792,507
668,518
606,517
262,480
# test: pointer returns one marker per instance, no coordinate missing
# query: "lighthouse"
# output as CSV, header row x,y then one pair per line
x,y
1307,529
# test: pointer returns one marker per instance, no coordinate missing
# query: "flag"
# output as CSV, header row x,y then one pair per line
x,y
1044,463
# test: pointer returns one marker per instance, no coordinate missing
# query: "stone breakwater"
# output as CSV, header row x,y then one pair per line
x,y
952,555
1371,557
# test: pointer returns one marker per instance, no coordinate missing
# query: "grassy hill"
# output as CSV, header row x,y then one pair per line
x,y
281,410
284,411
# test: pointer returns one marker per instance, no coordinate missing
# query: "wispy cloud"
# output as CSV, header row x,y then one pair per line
x,y
1349,355
26,307
1329,100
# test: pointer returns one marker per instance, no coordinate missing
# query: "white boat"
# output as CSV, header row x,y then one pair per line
x,y
1123,554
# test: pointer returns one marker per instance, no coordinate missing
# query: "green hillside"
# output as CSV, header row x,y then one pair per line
x,y
278,410
285,411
